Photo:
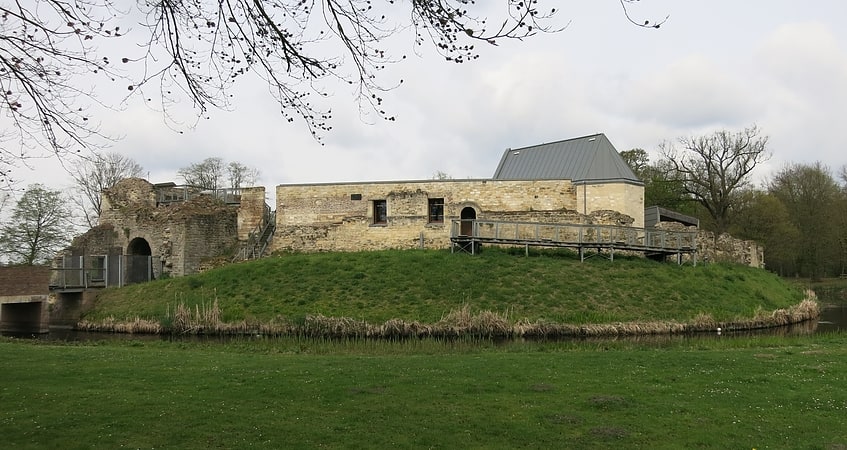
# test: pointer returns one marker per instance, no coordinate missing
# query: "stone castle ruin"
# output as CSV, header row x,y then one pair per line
x,y
174,229
148,231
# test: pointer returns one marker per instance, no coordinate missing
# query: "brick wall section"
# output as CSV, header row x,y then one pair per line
x,y
24,280
340,217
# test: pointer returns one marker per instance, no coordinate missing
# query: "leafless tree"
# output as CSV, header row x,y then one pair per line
x,y
207,174
213,173
93,175
55,56
713,169
240,175
441,175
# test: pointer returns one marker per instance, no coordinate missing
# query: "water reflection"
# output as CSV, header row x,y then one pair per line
x,y
833,318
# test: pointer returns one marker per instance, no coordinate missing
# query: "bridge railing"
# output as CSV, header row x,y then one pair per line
x,y
583,235
100,271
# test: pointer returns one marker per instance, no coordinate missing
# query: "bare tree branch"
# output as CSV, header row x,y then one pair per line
x,y
51,72
645,23
94,175
714,168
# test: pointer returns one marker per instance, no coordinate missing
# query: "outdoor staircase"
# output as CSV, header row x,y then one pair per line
x,y
259,239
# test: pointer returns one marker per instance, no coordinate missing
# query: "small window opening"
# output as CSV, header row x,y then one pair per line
x,y
436,210
355,196
380,212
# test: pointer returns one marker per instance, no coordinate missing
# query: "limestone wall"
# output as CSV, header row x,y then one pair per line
x,y
251,211
722,248
206,236
180,233
126,196
727,248
341,217
624,198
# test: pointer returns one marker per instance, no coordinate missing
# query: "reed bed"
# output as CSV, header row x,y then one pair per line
x,y
462,322
136,325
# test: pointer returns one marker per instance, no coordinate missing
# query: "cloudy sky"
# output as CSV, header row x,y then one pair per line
x,y
716,64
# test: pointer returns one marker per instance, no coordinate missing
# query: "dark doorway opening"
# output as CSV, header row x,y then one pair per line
x,y
467,216
139,261
139,246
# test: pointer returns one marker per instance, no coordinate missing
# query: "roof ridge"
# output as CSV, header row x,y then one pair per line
x,y
582,159
557,142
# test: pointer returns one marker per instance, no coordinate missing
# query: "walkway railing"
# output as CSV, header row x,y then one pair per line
x,y
580,236
178,194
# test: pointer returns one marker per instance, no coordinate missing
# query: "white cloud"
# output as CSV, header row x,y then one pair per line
x,y
805,69
691,93
720,64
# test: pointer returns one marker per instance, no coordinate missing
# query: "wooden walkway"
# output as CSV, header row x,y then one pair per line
x,y
467,235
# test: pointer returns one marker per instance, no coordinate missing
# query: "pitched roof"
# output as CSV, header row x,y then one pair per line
x,y
587,159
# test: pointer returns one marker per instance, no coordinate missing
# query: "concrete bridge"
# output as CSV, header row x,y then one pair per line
x,y
34,299
24,299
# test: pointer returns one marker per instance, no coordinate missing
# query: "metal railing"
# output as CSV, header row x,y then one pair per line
x,y
574,235
178,194
259,239
101,271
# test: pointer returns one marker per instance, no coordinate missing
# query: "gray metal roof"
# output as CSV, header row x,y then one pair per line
x,y
586,159
655,214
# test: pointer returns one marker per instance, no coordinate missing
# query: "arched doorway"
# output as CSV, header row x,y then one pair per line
x,y
139,261
139,246
467,216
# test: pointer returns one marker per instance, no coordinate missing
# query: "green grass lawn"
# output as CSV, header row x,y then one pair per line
x,y
426,285
297,393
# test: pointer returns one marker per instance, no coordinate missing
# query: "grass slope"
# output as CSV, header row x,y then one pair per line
x,y
424,285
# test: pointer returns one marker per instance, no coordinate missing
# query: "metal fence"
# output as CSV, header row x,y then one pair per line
x,y
178,194
99,271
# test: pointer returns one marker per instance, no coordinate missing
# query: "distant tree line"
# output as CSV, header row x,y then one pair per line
x,y
799,214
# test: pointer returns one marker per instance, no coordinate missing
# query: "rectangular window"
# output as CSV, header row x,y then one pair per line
x,y
355,196
97,271
436,210
380,212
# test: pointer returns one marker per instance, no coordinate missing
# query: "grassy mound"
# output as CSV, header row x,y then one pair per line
x,y
427,285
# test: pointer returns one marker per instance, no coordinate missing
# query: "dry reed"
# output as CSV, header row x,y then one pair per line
x,y
206,319
110,325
